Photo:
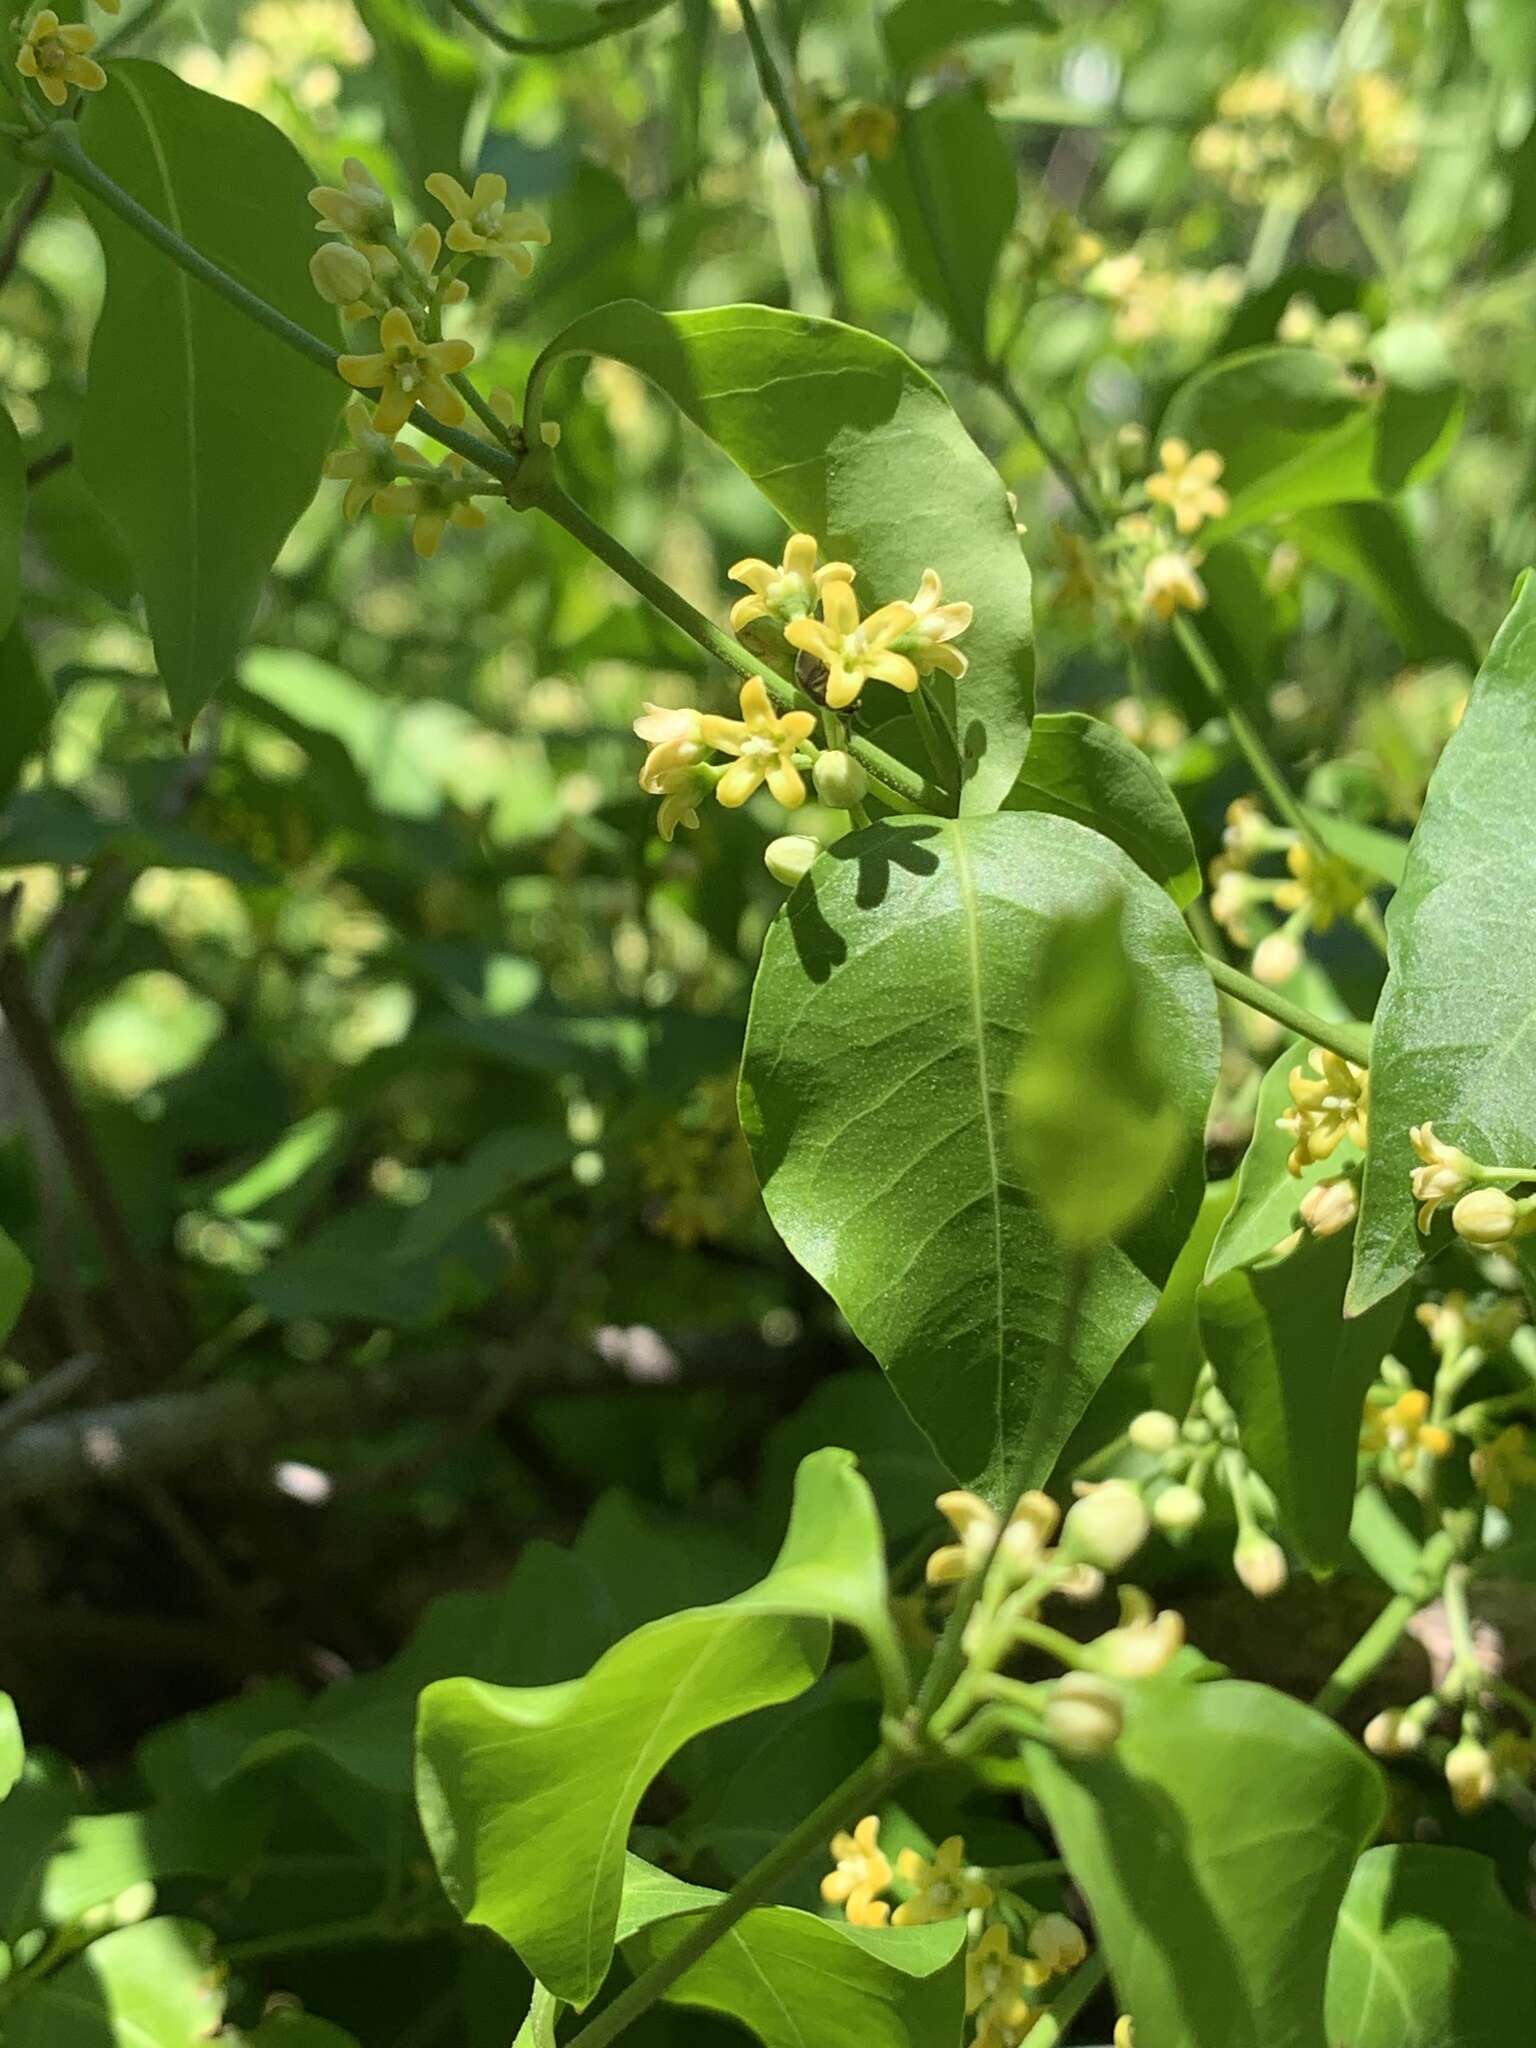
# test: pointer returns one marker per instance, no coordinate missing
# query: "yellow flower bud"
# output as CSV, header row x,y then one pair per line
x,y
1260,1564
1106,1527
791,858
1178,1509
1330,1207
1084,1718
340,273
1470,1774
1125,2033
1392,1733
1275,959
1057,1942
840,781
1485,1217
1155,1432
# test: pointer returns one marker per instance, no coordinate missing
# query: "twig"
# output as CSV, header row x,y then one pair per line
x,y
55,1389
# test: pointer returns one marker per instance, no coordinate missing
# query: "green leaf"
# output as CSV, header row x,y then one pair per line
x,y
431,82
1297,1374
1096,1132
1268,1195
26,706
796,1980
527,1795
201,435
1295,430
1081,767
1430,1954
1457,1018
150,1986
849,440
15,1283
13,1750
538,2028
1172,1337
951,189
916,30
1213,1847
13,512
1383,855
1371,547
891,1007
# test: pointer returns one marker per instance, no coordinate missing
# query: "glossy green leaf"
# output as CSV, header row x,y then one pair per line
x,y
916,30
1081,767
13,512
951,188
201,435
13,1750
1213,1847
1429,1953
1268,1195
150,1986
527,1794
1295,430
1457,1019
796,1980
849,440
891,1007
1096,1131
26,706
1172,1338
1297,1374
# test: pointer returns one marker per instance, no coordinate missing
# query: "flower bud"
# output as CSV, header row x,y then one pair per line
x,y
1392,1733
1125,2033
1330,1207
1275,959
790,859
1084,1717
1106,1527
1155,1432
840,781
1260,1564
1142,1646
1057,1942
1178,1509
1470,1774
340,273
1485,1217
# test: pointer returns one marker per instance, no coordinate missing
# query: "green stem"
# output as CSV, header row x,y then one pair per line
x,y
1349,1040
541,46
857,1794
1467,1665
1052,2025
1387,1630
997,381
900,787
776,92
60,149
1245,732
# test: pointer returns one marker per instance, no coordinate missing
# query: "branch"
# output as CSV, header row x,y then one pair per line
x,y
554,46
1349,1040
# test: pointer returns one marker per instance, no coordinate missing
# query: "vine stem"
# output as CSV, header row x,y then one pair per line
x,y
771,79
1349,1040
543,46
861,1790
901,786
1246,733
1389,1627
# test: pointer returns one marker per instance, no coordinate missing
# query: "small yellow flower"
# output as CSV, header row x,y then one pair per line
x,y
1329,1104
788,591
368,465
1005,2026
481,224
55,54
682,790
937,624
1186,484
433,502
357,206
407,372
994,1975
866,130
1444,1173
1404,1429
676,740
1503,1466
764,743
943,1889
1325,886
1058,1943
1144,1642
1030,1527
861,1875
855,651
1169,583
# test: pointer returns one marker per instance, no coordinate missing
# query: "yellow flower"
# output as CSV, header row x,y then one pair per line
x,y
862,1873
1030,1527
407,372
682,790
1328,1105
1404,1429
1443,1175
1169,582
764,744
994,1975
854,652
1144,1642
368,465
937,624
481,224
788,591
54,53
434,502
866,130
357,206
1005,2026
1186,484
676,740
944,1889
1502,1466
1325,886
1057,1942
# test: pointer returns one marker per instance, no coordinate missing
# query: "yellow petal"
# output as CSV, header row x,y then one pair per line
x,y
365,372
894,669
463,240
839,608
756,706
450,356
745,610
490,190
737,783
396,331
75,36
785,785
86,73
800,552
447,190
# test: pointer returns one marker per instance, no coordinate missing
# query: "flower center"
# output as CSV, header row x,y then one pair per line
x,y
51,55
758,749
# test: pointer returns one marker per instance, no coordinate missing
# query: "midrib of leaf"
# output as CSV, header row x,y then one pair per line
x,y
971,955
789,2019
183,288
1376,1951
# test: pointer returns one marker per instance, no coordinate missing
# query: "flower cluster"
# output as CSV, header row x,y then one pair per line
x,y
765,746
1190,1457
1344,336
1330,1103
1397,1427
56,55
1275,140
1154,300
839,131
1484,1212
1316,890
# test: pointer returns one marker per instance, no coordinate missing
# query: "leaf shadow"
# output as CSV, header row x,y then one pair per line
x,y
876,852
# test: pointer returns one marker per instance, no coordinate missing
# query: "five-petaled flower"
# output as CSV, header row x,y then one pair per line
x,y
368,465
1444,1172
55,54
1187,485
862,1873
407,372
1403,1429
764,742
676,740
481,224
787,590
1030,1527
434,502
1328,1105
357,206
994,1974
1169,584
854,651
937,624
942,1889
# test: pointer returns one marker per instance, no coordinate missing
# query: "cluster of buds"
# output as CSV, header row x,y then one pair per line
x,y
839,131
55,55
1316,890
1484,1213
1476,1766
1193,1456
1157,301
1345,336
1274,140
